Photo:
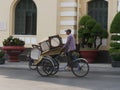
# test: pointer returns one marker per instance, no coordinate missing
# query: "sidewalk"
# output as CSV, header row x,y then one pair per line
x,y
93,67
15,65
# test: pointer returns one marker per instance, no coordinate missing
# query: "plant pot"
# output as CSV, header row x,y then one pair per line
x,y
13,52
115,63
89,55
2,61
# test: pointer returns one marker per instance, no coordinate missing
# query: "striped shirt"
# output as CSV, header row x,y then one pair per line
x,y
70,44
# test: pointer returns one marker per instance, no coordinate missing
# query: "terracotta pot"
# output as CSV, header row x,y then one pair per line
x,y
13,52
90,55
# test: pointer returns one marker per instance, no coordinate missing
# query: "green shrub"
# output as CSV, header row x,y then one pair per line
x,y
115,45
114,51
89,32
116,57
115,26
10,41
97,30
84,19
115,54
115,37
80,32
104,34
91,40
90,23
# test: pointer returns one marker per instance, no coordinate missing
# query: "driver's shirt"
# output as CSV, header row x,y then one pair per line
x,y
70,44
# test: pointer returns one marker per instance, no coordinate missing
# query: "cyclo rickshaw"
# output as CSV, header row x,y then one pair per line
x,y
46,56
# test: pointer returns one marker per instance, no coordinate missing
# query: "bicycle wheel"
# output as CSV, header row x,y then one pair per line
x,y
80,67
45,67
30,64
55,60
56,66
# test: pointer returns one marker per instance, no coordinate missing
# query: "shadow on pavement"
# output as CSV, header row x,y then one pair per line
x,y
95,80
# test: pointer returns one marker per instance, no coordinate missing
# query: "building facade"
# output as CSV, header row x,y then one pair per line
x,y
35,20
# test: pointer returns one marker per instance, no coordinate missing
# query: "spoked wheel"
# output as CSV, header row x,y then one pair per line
x,y
45,67
56,66
30,64
80,67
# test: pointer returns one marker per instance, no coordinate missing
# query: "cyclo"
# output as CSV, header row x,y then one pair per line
x,y
46,56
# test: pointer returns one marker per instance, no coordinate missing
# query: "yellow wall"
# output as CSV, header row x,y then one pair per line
x,y
4,19
46,19
112,11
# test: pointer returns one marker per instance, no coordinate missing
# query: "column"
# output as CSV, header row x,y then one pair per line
x,y
67,17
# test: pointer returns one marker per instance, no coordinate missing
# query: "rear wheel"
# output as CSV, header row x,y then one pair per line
x,y
30,64
56,66
45,67
80,67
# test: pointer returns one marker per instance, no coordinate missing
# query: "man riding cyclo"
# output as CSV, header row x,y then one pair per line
x,y
69,48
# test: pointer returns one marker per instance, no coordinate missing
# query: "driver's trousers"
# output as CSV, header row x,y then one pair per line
x,y
69,58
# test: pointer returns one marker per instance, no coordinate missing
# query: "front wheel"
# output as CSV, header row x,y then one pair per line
x,y
80,67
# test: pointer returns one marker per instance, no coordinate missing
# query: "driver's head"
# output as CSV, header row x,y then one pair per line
x,y
68,31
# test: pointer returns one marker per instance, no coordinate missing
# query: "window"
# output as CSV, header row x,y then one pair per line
x,y
98,9
25,18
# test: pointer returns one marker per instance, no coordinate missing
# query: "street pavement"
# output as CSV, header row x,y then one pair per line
x,y
17,76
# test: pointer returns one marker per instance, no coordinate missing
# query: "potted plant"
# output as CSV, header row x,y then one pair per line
x,y
13,47
2,59
90,36
115,41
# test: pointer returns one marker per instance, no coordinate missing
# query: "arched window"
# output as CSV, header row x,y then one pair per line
x,y
98,9
25,18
